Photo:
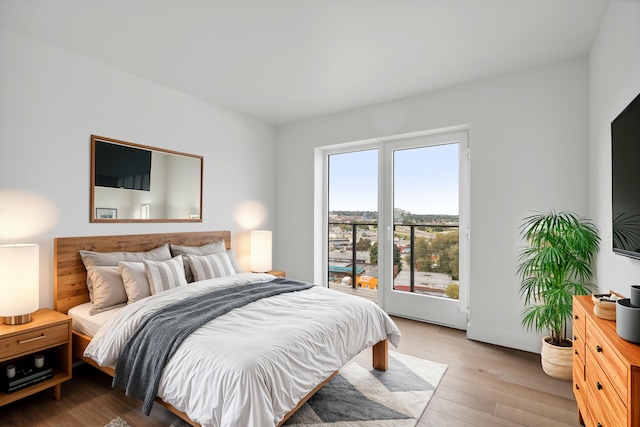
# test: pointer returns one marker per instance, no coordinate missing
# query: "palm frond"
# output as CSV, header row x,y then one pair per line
x,y
626,230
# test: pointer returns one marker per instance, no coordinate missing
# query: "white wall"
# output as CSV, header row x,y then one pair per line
x,y
529,151
51,101
614,80
528,138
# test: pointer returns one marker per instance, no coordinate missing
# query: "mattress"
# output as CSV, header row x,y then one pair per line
x,y
86,323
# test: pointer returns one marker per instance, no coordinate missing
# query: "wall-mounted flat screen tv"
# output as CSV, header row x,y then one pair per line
x,y
118,166
625,180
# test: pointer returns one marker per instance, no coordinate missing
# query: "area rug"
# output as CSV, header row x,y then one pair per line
x,y
119,422
365,397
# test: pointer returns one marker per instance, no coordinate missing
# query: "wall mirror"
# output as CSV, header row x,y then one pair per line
x,y
137,183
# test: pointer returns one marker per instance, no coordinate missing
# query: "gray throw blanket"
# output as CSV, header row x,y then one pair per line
x,y
144,356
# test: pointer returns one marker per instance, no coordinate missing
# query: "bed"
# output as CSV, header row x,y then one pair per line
x,y
286,377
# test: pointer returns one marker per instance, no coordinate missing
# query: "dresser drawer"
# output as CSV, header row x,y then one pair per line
x,y
579,374
610,363
34,340
599,413
587,414
611,410
579,348
579,320
579,384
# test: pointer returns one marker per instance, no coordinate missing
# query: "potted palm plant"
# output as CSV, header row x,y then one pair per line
x,y
554,266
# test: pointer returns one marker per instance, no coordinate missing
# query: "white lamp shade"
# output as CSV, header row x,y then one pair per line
x,y
260,251
19,279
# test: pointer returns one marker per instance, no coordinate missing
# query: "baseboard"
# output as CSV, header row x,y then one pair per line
x,y
503,338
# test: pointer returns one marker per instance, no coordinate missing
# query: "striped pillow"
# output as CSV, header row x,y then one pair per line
x,y
165,275
211,266
208,249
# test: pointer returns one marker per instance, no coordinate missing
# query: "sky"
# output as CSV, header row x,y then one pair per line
x,y
426,180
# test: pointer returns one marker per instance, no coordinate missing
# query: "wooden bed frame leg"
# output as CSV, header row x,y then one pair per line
x,y
381,355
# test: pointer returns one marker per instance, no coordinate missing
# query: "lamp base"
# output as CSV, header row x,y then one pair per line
x,y
16,320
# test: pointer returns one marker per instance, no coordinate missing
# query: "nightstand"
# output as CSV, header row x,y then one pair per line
x,y
277,273
48,333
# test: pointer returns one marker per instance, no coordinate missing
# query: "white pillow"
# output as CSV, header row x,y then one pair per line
x,y
134,277
165,275
211,266
108,288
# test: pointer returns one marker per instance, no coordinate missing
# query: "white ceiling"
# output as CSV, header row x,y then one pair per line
x,y
285,60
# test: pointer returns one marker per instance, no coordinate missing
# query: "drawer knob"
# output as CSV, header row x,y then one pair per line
x,y
577,388
575,338
598,385
599,349
575,316
575,351
599,425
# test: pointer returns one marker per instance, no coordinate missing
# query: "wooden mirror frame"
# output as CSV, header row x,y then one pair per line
x,y
93,217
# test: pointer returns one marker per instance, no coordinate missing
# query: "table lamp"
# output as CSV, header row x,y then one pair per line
x,y
260,251
19,282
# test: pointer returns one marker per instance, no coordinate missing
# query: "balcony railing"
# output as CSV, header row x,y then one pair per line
x,y
425,257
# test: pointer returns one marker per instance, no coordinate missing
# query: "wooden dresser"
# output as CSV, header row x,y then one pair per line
x,y
606,370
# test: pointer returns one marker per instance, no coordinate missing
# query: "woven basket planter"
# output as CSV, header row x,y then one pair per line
x,y
557,362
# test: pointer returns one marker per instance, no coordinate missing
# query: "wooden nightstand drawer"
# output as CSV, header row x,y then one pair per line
x,y
28,342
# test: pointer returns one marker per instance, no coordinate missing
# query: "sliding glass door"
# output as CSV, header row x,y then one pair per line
x,y
353,222
397,225
423,178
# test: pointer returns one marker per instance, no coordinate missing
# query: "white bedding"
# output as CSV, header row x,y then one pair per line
x,y
252,366
87,323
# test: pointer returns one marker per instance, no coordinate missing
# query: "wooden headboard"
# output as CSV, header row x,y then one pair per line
x,y
70,276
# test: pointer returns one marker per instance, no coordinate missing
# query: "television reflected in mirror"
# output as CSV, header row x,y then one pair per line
x,y
143,183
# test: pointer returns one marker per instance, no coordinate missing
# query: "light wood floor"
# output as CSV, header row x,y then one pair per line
x,y
485,385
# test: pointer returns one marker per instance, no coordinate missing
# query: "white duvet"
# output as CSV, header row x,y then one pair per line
x,y
252,366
